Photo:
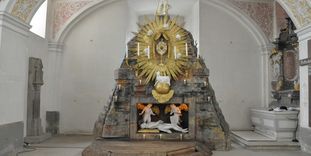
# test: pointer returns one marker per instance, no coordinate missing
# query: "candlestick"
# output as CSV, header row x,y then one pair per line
x,y
138,48
186,49
148,52
175,53
126,52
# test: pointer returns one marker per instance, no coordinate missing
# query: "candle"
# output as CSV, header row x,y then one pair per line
x,y
186,49
140,82
175,52
148,52
198,52
126,52
138,48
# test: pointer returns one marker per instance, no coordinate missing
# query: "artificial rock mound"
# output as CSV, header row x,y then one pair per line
x,y
162,67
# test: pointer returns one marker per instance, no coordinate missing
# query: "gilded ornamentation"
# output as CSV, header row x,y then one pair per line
x,y
162,91
23,8
163,8
301,10
162,98
162,52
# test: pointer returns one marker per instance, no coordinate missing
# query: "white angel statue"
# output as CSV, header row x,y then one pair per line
x,y
147,111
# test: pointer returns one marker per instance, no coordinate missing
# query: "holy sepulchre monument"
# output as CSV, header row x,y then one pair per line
x,y
155,77
163,92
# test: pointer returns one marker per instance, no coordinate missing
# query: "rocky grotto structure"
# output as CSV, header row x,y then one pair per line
x,y
162,91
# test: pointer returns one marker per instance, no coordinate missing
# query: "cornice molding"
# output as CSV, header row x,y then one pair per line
x,y
304,33
55,47
12,23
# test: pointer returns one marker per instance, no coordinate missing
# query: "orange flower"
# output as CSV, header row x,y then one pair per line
x,y
184,107
140,106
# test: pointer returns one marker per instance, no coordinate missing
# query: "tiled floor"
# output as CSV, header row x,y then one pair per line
x,y
74,145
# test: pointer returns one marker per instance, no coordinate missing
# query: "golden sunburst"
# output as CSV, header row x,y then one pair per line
x,y
161,46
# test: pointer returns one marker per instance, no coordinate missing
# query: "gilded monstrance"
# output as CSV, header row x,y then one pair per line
x,y
161,53
161,47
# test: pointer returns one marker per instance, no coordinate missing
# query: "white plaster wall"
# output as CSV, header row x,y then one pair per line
x,y
93,50
13,69
17,44
233,57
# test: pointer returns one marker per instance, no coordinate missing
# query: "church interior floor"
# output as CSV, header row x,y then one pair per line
x,y
73,145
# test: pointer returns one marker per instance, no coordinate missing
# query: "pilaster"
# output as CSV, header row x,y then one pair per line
x,y
55,58
304,35
266,75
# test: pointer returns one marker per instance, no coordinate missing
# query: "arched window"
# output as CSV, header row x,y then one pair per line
x,y
38,21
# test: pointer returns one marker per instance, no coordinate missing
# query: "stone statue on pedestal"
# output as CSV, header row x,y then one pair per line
x,y
35,81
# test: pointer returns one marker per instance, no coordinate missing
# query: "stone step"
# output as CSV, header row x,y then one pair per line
x,y
252,140
182,151
142,148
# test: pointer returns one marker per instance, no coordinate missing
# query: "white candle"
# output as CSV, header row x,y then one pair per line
x,y
138,48
186,49
126,52
148,52
175,52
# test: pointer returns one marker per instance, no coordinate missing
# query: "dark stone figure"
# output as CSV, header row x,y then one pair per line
x,y
35,81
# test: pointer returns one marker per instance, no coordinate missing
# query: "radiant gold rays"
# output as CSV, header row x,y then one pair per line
x,y
170,63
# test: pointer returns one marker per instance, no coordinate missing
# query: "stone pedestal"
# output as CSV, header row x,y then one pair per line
x,y
281,126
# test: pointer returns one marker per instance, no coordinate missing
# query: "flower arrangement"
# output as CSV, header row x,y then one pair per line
x,y
184,107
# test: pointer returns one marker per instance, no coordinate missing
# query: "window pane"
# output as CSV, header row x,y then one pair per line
x,y
38,21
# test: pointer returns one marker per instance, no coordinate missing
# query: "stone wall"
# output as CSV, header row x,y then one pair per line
x,y
11,138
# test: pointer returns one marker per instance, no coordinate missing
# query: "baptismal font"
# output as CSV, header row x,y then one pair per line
x,y
163,91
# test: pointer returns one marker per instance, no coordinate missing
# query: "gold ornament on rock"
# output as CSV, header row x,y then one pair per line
x,y
161,52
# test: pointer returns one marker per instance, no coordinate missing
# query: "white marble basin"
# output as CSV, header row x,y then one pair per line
x,y
280,126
